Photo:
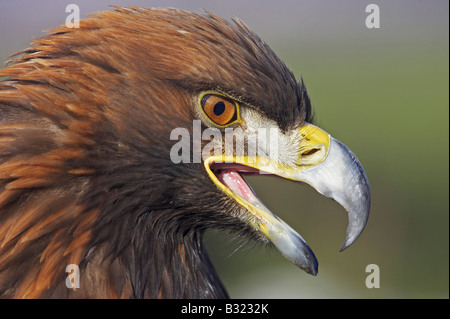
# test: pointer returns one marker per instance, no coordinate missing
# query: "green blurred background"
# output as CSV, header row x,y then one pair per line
x,y
384,93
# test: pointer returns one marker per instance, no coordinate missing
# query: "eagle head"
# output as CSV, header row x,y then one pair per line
x,y
123,140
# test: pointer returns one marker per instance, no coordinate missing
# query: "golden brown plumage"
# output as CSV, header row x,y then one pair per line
x,y
85,170
82,104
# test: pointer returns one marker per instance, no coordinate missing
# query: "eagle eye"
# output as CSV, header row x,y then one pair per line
x,y
219,109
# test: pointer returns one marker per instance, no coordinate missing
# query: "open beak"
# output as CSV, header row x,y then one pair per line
x,y
324,163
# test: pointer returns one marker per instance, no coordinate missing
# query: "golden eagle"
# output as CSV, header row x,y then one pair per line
x,y
95,169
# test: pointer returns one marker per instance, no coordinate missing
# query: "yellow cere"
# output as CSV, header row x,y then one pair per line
x,y
314,145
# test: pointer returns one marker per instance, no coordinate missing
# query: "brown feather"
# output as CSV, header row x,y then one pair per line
x,y
85,176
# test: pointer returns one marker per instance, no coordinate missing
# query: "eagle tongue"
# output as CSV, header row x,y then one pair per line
x,y
234,181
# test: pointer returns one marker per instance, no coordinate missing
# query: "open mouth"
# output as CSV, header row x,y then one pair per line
x,y
323,163
231,176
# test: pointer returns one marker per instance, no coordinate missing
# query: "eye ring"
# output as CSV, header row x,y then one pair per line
x,y
219,109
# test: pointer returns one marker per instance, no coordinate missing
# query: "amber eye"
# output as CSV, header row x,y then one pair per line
x,y
219,109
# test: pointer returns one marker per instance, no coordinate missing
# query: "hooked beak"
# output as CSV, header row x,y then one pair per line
x,y
324,163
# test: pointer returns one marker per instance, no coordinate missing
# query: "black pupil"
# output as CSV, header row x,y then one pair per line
x,y
219,108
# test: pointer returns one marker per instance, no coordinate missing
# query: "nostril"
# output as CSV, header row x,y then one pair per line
x,y
312,155
310,151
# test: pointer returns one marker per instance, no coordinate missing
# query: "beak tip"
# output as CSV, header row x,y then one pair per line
x,y
309,263
314,272
354,230
345,245
314,268
311,268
